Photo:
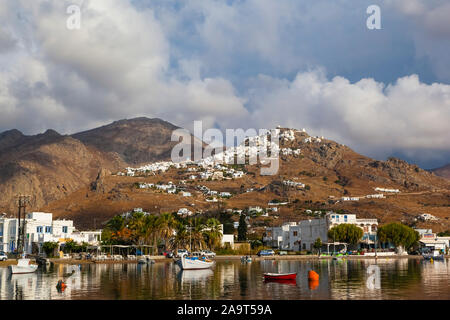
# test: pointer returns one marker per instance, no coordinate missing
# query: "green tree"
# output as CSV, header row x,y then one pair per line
x,y
398,234
345,232
318,244
242,229
70,246
197,235
49,248
181,238
213,233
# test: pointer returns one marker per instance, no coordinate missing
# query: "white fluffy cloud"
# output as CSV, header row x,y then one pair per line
x,y
406,115
181,62
115,66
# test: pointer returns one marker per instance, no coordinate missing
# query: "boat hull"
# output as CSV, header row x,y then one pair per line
x,y
23,266
280,276
191,264
22,270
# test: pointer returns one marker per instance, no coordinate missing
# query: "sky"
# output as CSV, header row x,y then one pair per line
x,y
235,64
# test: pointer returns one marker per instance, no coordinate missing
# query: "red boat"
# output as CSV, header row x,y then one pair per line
x,y
280,276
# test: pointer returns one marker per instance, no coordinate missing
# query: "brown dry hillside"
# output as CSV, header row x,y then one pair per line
x,y
329,169
51,166
136,141
47,166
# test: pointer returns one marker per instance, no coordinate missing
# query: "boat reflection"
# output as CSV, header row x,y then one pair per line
x,y
282,281
192,276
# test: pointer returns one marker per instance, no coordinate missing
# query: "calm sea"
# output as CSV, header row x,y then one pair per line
x,y
348,279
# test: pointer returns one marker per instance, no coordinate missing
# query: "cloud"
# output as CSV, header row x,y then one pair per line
x,y
407,116
233,64
429,25
115,66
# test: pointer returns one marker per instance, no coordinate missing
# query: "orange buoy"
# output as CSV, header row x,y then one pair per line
x,y
312,275
313,284
61,285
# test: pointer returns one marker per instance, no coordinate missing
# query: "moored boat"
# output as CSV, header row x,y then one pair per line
x,y
280,276
191,263
23,266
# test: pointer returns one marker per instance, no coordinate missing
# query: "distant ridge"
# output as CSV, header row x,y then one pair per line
x,y
442,171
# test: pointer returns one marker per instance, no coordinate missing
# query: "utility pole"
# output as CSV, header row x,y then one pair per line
x,y
22,201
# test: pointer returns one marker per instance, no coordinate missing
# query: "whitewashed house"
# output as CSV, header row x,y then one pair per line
x,y
303,235
39,228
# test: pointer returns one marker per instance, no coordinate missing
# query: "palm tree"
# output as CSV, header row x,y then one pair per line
x,y
197,234
213,232
181,238
166,226
137,226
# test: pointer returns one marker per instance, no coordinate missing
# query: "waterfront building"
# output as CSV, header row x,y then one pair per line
x,y
39,228
302,235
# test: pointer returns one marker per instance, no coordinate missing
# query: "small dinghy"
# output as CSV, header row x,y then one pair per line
x,y
280,276
23,266
146,260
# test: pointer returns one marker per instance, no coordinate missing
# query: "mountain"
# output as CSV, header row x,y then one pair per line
x,y
442,171
136,141
46,166
50,166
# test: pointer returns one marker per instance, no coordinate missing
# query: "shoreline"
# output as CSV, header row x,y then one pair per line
x,y
159,259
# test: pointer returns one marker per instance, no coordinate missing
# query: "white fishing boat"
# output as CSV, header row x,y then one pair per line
x,y
23,266
192,263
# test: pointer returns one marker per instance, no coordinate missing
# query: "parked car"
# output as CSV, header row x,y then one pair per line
x,y
208,253
168,254
180,252
266,253
3,256
282,253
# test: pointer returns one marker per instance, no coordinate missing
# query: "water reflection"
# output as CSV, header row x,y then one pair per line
x,y
342,279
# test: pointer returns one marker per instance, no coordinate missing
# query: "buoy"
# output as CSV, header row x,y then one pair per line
x,y
61,285
313,284
312,275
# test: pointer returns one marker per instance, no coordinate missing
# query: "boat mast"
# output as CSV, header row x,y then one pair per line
x,y
22,200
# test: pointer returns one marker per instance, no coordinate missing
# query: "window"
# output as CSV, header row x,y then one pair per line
x,y
48,229
337,218
39,229
345,218
295,233
64,229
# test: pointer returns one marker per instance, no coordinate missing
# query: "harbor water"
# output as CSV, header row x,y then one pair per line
x,y
344,279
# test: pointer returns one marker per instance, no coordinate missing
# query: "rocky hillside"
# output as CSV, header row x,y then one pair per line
x,y
47,166
136,141
51,166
